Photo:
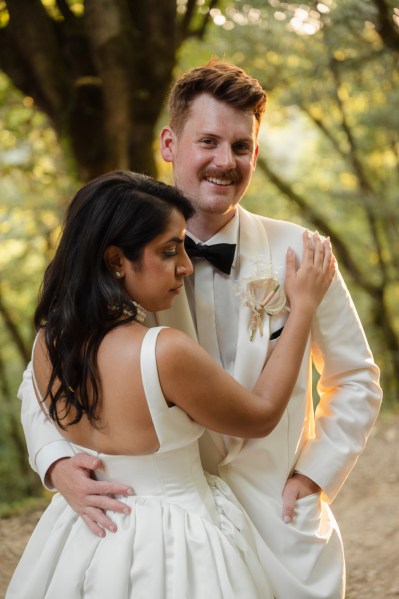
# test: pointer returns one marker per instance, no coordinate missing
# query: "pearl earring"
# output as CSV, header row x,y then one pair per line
x,y
118,274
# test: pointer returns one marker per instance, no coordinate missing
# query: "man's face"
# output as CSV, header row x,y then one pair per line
x,y
213,156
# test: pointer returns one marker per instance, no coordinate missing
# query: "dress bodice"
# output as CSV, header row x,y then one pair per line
x,y
174,472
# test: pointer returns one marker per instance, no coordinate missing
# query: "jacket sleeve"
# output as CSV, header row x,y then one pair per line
x,y
349,390
45,444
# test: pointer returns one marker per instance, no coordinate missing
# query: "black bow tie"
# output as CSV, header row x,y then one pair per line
x,y
220,255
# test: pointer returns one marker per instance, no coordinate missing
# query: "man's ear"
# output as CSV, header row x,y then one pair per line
x,y
255,157
167,141
114,261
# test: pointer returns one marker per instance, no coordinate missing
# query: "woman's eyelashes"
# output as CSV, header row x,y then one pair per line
x,y
170,253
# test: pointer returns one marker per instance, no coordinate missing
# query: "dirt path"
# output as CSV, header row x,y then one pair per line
x,y
367,510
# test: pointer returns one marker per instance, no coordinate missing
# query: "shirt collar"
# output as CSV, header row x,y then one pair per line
x,y
229,234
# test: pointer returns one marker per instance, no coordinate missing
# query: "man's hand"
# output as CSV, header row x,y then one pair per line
x,y
296,487
73,478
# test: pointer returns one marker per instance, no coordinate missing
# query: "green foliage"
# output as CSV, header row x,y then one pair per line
x,y
329,148
35,189
24,506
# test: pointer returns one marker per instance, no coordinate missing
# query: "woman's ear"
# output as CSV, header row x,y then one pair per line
x,y
114,261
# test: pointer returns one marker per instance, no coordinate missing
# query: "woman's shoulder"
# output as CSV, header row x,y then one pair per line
x,y
179,356
122,343
127,340
175,340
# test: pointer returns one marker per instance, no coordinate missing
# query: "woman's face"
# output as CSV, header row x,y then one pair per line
x,y
157,278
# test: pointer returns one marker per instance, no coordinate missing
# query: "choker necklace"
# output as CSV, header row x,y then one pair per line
x,y
141,314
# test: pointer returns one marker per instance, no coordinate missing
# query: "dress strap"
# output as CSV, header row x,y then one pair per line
x,y
152,387
174,428
35,385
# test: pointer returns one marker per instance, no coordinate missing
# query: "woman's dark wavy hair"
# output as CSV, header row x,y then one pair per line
x,y
119,208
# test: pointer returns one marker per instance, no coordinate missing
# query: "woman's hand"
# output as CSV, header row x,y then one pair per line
x,y
307,285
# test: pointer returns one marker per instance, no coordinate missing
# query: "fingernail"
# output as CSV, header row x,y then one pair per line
x,y
112,528
289,251
101,534
130,492
126,510
287,519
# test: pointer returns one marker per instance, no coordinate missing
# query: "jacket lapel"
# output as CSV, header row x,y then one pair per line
x,y
251,355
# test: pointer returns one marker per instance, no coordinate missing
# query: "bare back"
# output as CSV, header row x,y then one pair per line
x,y
125,426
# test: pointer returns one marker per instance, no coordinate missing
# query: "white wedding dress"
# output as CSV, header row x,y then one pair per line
x,y
186,537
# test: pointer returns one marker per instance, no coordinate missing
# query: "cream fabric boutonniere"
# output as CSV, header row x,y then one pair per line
x,y
263,295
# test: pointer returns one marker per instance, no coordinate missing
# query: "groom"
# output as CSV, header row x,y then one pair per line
x,y
287,480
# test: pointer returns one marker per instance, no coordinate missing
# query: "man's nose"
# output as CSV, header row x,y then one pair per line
x,y
224,157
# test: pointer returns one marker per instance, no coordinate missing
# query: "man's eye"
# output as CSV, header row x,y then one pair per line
x,y
242,148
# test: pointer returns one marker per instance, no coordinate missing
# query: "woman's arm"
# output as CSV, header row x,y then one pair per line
x,y
190,378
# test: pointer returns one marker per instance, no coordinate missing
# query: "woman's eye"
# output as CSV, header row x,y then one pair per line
x,y
170,253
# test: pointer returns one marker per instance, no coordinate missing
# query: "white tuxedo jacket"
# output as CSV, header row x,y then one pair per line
x,y
304,559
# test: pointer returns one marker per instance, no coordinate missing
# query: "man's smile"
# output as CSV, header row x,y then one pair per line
x,y
223,182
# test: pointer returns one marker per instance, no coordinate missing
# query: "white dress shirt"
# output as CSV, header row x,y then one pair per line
x,y
212,296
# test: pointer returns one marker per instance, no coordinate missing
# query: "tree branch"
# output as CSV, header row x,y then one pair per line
x,y
200,31
185,31
12,328
364,184
184,26
64,9
326,132
321,224
386,26
35,54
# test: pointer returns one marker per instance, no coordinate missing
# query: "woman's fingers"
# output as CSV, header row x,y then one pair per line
x,y
291,262
328,255
307,256
317,252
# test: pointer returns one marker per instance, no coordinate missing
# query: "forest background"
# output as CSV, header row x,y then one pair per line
x,y
83,88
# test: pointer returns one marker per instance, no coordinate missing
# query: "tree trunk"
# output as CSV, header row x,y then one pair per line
x,y
101,76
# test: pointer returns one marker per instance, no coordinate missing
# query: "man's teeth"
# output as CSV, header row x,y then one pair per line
x,y
218,181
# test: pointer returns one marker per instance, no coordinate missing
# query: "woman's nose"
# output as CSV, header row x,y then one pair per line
x,y
185,267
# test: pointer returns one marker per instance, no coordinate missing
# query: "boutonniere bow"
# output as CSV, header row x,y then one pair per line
x,y
262,296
